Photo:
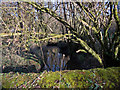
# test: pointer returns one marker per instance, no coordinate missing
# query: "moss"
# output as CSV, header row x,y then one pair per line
x,y
50,79
16,80
93,78
109,76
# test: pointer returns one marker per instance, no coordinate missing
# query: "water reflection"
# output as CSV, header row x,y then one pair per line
x,y
55,60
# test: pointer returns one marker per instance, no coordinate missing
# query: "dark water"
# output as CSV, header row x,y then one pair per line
x,y
53,61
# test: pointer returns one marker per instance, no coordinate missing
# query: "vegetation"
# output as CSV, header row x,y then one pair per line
x,y
88,24
109,46
38,36
93,79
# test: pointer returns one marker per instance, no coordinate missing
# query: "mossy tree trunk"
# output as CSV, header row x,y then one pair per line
x,y
89,25
110,50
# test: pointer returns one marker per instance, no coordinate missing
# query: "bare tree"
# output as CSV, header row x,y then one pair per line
x,y
95,26
96,21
